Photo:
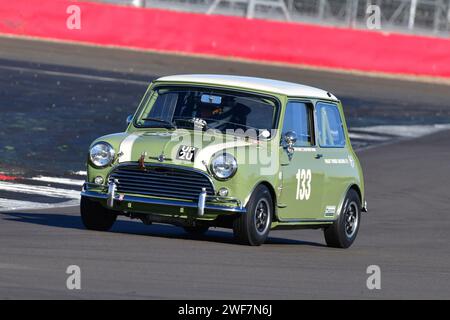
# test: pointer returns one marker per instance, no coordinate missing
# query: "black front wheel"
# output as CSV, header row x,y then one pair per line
x,y
95,216
342,233
253,227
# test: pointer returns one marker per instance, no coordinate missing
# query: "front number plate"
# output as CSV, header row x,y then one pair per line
x,y
186,153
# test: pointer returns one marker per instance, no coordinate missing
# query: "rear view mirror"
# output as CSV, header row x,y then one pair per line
x,y
207,98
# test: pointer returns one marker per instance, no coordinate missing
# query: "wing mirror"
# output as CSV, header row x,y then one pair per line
x,y
290,138
129,119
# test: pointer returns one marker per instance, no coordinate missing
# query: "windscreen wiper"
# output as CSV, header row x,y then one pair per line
x,y
169,124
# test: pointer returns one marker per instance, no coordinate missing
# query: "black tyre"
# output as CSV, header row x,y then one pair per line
x,y
344,230
95,216
253,227
197,230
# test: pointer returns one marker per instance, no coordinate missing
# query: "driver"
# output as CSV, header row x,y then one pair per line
x,y
208,111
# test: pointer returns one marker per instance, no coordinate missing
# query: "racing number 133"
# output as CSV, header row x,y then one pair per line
x,y
303,184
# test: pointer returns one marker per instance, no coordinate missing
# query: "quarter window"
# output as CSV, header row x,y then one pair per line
x,y
298,118
329,123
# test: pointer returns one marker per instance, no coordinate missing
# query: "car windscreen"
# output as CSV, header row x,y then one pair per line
x,y
208,108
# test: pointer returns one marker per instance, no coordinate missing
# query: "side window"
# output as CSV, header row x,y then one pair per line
x,y
329,124
298,118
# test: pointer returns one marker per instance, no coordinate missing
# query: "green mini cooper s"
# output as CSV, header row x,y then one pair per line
x,y
244,153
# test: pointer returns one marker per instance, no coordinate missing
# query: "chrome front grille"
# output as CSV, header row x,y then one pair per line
x,y
162,181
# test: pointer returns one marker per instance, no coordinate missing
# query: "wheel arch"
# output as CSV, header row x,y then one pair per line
x,y
273,194
357,189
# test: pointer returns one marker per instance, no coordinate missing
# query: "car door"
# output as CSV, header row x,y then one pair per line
x,y
302,173
338,161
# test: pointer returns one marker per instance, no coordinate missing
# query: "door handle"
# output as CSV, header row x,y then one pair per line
x,y
318,156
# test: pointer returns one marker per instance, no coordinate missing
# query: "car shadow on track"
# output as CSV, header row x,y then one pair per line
x,y
137,228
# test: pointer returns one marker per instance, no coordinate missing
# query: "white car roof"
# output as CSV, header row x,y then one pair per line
x,y
274,86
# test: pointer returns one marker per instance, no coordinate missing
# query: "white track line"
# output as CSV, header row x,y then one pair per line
x,y
367,137
39,190
13,205
73,75
18,204
405,131
72,182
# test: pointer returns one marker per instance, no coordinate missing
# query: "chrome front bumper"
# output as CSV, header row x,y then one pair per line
x,y
204,203
364,208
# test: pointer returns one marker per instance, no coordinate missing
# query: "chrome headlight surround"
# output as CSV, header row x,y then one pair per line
x,y
223,166
101,154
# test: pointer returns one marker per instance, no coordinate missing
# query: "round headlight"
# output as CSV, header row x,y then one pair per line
x,y
223,166
102,154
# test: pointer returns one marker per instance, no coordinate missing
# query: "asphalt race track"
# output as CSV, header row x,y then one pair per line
x,y
406,232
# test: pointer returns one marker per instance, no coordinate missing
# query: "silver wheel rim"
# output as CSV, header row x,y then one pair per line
x,y
351,219
262,216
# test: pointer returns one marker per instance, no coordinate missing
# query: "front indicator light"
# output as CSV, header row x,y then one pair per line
x,y
98,180
223,192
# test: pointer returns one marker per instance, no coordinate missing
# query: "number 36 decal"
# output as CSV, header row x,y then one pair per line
x,y
303,184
